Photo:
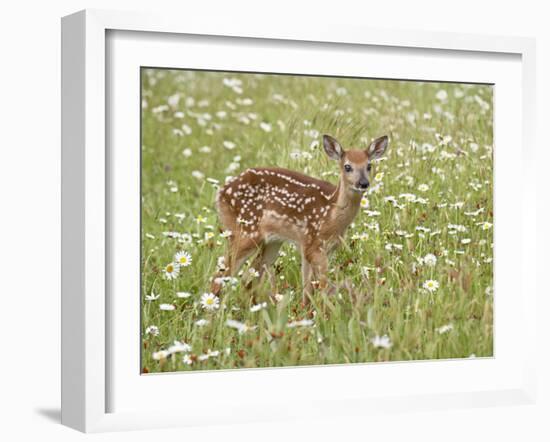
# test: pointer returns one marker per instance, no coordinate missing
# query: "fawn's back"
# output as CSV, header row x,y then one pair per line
x,y
273,204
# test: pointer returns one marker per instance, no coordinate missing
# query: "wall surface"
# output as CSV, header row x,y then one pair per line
x,y
30,216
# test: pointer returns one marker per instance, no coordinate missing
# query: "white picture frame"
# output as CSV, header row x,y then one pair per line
x,y
86,205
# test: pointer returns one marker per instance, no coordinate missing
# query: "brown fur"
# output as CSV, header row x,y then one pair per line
x,y
263,207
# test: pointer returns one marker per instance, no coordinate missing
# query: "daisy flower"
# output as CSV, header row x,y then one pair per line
x,y
239,326
431,285
379,176
266,127
381,341
171,271
152,330
423,187
187,360
167,307
364,203
444,328
441,95
430,260
258,307
229,145
226,234
179,347
202,322
183,294
152,297
183,258
301,323
185,238
253,273
486,225
210,302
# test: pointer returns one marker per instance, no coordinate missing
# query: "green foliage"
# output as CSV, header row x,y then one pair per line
x,y
432,195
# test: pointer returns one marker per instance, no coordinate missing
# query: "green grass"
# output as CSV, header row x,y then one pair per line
x,y
379,275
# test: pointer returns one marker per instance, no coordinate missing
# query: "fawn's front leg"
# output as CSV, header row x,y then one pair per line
x,y
314,264
307,287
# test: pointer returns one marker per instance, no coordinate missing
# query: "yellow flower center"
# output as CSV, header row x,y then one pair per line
x,y
183,260
210,301
169,268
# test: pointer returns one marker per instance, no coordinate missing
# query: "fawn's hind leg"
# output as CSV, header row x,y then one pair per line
x,y
239,250
265,258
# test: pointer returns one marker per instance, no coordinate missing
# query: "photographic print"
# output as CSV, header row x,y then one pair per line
x,y
293,220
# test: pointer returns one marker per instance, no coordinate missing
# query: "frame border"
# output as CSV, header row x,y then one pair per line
x,y
83,201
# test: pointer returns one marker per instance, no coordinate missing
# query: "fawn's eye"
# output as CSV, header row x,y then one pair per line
x,y
369,167
347,168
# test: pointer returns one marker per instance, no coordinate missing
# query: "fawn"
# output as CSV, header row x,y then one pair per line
x,y
263,207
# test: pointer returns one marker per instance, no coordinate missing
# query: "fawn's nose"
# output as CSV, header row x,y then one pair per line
x,y
364,184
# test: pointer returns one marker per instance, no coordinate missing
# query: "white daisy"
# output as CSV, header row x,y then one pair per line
x,y
185,238
431,285
423,187
486,225
254,273
179,347
229,145
381,341
197,174
167,307
187,360
239,326
202,322
152,297
183,258
210,302
266,127
258,307
441,95
364,203
444,329
183,294
171,271
430,260
301,323
152,330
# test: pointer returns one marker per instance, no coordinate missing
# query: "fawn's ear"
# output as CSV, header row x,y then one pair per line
x,y
332,147
377,148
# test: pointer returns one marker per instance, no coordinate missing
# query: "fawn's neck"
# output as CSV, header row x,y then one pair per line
x,y
344,205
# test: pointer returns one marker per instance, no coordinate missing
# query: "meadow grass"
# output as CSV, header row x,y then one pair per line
x,y
427,217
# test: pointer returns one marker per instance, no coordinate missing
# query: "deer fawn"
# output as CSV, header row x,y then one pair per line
x,y
264,207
